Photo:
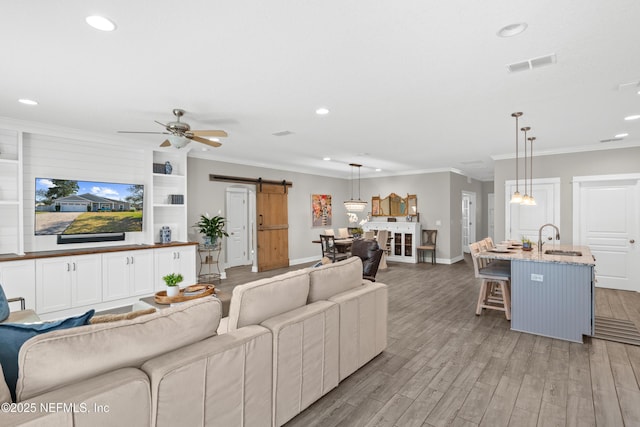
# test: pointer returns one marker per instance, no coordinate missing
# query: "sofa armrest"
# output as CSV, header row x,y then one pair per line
x,y
223,380
120,397
223,327
363,325
305,361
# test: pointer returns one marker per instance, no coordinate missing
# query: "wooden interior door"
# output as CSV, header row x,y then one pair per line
x,y
273,226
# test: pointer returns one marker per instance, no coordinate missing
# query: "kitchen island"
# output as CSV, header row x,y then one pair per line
x,y
552,292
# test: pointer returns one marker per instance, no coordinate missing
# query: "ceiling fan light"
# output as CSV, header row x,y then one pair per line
x,y
178,141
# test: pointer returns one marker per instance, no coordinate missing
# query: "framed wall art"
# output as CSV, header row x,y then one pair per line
x,y
321,213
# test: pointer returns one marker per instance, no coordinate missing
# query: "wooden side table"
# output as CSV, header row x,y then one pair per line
x,y
224,297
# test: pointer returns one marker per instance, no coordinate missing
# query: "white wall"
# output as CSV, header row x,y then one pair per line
x,y
209,196
62,157
564,166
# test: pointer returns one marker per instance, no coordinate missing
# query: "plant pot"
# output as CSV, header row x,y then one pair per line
x,y
173,291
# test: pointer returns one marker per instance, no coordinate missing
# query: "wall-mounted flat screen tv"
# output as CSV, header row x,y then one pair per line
x,y
76,207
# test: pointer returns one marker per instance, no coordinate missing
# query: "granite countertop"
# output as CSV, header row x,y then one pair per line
x,y
518,254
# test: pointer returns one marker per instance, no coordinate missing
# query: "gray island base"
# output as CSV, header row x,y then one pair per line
x,y
552,295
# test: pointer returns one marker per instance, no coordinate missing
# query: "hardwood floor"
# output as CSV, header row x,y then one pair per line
x,y
446,366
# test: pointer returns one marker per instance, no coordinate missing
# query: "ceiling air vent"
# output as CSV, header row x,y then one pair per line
x,y
532,63
282,133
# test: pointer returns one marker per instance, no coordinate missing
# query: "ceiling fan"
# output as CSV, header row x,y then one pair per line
x,y
180,133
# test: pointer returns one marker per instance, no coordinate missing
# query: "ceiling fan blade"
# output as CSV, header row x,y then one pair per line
x,y
205,141
166,143
161,124
155,133
209,133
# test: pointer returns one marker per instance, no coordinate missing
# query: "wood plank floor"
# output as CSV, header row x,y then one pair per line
x,y
446,366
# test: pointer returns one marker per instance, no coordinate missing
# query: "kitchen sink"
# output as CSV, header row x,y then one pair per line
x,y
561,252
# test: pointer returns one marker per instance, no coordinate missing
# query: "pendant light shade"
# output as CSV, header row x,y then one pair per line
x,y
516,197
353,205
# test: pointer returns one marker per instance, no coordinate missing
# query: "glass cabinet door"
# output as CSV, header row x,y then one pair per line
x,y
408,244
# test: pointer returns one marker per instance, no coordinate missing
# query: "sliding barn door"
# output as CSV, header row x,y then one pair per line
x,y
273,226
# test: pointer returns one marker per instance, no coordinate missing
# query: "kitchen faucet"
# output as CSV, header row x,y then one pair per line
x,y
540,242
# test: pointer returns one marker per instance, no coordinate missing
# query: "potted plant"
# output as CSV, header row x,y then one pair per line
x,y
172,281
212,228
526,244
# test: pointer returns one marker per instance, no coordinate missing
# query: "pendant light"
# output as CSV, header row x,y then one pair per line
x,y
532,200
353,205
525,198
517,197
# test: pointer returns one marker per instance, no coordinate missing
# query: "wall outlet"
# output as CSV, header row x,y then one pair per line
x,y
438,222
537,277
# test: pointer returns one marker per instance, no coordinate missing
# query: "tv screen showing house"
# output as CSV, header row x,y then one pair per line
x,y
68,207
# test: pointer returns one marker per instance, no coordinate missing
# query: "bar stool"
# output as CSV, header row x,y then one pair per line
x,y
495,293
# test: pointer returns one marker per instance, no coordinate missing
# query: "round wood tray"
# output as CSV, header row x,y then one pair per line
x,y
162,298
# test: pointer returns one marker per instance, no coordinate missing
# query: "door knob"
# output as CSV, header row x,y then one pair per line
x,y
632,241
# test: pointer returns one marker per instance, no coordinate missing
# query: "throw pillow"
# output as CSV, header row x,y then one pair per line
x,y
13,335
105,318
4,306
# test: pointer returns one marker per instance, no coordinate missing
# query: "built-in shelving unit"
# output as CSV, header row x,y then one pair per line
x,y
168,212
11,206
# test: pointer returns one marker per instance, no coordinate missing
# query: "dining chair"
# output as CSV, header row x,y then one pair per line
x,y
329,232
343,233
368,235
330,250
383,241
494,278
429,239
23,315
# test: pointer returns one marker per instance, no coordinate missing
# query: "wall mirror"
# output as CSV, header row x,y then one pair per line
x,y
394,205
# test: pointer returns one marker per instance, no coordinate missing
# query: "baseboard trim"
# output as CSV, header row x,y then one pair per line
x,y
303,260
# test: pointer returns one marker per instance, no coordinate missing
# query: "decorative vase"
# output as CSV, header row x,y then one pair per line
x,y
173,291
167,168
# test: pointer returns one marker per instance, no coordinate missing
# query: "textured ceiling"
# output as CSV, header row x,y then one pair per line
x,y
412,86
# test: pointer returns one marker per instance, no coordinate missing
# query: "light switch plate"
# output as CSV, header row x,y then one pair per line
x,y
537,277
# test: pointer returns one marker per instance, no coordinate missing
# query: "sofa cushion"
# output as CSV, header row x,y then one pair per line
x,y
255,302
331,279
92,350
4,305
14,335
5,394
105,318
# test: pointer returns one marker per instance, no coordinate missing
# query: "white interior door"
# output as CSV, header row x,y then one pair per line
x,y
606,219
468,219
525,221
237,227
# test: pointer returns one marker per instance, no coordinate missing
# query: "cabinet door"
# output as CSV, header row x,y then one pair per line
x,y
115,275
187,265
53,284
18,279
165,263
141,272
86,280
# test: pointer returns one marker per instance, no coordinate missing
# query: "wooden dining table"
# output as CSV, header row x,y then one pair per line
x,y
343,245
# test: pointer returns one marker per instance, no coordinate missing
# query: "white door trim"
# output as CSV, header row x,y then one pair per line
x,y
471,220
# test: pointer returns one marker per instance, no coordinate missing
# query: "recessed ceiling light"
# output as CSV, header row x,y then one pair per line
x,y
326,158
634,117
512,29
322,111
205,149
100,23
378,170
621,135
27,101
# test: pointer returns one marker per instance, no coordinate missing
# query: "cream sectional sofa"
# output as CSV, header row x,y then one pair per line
x,y
287,341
